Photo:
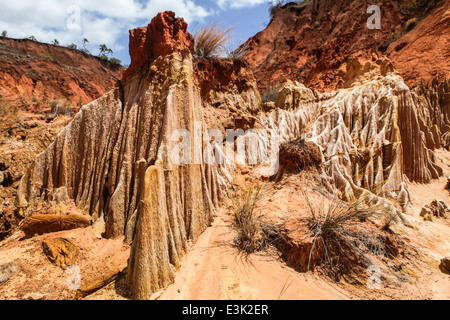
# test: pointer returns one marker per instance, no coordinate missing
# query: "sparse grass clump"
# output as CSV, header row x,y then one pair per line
x,y
237,53
60,107
7,109
342,240
210,41
254,233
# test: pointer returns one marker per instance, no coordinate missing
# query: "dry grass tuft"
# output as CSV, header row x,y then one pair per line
x,y
254,233
236,52
210,41
61,107
342,240
7,109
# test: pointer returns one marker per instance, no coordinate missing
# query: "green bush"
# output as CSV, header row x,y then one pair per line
x,y
115,61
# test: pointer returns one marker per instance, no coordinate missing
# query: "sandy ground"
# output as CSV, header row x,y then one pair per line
x,y
214,270
37,275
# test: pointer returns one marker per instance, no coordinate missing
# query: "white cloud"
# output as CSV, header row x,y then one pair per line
x,y
239,4
101,21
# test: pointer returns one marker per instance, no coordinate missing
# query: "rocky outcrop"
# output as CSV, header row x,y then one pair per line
x,y
115,159
229,93
309,42
164,35
370,134
434,111
48,223
436,209
421,54
61,252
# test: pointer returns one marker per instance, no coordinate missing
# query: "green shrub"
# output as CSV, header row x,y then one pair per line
x,y
115,61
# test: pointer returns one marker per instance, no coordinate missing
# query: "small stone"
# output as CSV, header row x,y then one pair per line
x,y
426,212
445,265
4,164
33,296
61,252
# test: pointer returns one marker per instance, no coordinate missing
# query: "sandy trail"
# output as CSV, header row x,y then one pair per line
x,y
214,270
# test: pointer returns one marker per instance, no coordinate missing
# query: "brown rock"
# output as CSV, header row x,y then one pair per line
x,y
48,223
91,286
438,209
164,35
61,252
445,265
229,93
299,154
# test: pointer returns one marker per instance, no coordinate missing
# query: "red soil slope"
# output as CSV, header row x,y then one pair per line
x,y
311,43
35,73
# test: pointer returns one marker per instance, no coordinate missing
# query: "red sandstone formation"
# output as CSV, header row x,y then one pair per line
x,y
164,35
115,158
310,42
111,153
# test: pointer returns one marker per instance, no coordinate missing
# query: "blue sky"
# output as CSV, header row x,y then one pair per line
x,y
108,22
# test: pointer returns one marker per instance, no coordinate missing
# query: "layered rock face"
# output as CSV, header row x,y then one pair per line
x,y
434,111
115,158
229,93
309,42
370,134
